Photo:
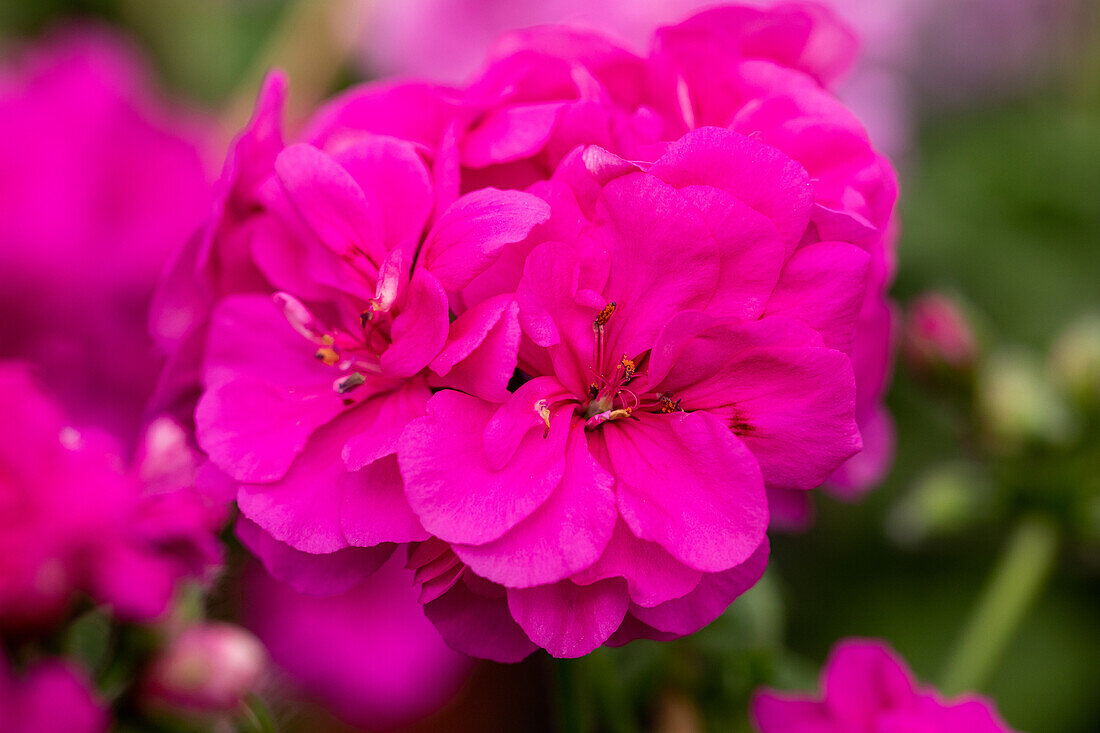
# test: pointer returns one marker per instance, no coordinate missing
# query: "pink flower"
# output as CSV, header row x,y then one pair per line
x,y
866,688
48,697
100,180
664,315
72,517
310,375
763,73
367,653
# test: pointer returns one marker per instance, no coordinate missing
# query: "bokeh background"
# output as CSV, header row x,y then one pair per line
x,y
991,110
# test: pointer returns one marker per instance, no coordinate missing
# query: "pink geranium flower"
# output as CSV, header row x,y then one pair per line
x,y
762,72
50,696
665,345
351,249
100,181
74,518
866,688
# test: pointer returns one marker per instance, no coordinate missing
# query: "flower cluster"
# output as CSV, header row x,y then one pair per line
x,y
556,334
865,688
75,518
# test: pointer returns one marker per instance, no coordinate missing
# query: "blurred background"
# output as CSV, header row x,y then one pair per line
x,y
991,111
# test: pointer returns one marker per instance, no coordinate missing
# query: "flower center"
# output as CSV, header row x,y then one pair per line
x,y
611,395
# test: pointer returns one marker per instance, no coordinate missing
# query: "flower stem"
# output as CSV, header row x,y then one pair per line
x,y
567,687
1024,564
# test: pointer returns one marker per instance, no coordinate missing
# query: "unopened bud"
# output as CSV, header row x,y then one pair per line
x,y
938,336
1075,361
1018,403
945,500
208,668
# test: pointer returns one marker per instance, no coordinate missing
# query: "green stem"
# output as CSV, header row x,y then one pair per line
x,y
1024,565
611,698
567,686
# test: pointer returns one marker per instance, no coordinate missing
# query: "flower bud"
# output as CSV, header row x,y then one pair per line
x,y
207,668
1017,403
945,500
938,336
1075,360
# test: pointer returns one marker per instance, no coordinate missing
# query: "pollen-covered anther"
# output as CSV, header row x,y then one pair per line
x,y
628,366
343,385
542,407
668,405
327,355
604,316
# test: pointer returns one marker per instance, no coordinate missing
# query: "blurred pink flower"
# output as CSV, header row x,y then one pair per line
x,y
73,518
100,180
368,653
49,697
866,688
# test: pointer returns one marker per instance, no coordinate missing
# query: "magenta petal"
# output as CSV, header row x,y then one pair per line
x,y
374,508
823,286
396,182
136,584
387,415
303,508
450,485
316,575
480,355
863,470
420,330
510,133
564,535
862,678
478,625
330,202
652,575
793,408
717,517
775,713
713,595
758,174
50,698
253,430
569,620
249,336
469,235
519,415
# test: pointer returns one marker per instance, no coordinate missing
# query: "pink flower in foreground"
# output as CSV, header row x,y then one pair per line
x,y
100,180
367,653
665,325
670,375
48,698
763,73
353,249
866,688
72,518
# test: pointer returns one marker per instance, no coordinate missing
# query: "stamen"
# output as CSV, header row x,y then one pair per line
x,y
543,410
628,367
327,355
346,384
667,405
593,391
604,316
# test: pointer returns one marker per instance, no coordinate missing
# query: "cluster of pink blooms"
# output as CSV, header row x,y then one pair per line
x,y
866,688
558,335
95,501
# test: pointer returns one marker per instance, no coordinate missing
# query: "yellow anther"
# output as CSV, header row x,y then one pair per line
x,y
327,355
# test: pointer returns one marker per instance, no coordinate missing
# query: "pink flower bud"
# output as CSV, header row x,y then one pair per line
x,y
938,336
207,668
